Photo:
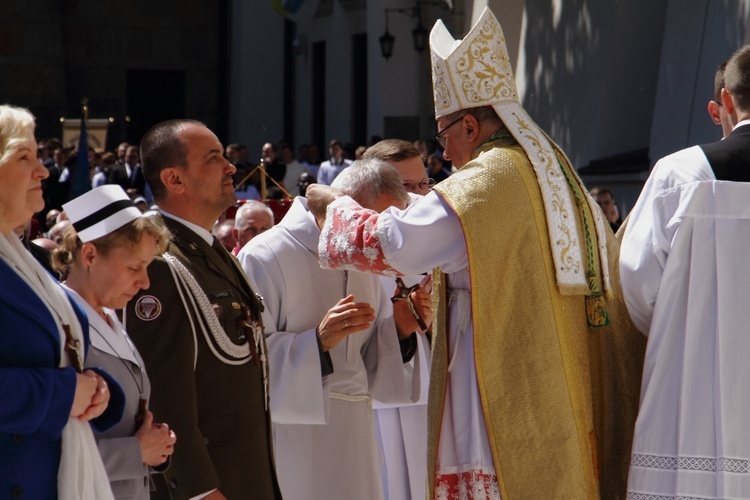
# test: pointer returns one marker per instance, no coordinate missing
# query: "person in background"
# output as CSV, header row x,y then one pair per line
x,y
55,185
129,174
436,168
51,219
55,234
43,153
329,169
305,179
41,254
223,230
141,204
104,264
49,401
99,173
293,168
232,154
252,218
605,198
273,164
312,160
122,149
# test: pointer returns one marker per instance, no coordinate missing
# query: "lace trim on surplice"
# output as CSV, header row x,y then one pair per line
x,y
688,465
703,464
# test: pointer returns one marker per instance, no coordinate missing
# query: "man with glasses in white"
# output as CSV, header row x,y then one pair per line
x,y
400,429
406,158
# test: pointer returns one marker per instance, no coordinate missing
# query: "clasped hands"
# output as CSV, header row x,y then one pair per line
x,y
91,396
156,440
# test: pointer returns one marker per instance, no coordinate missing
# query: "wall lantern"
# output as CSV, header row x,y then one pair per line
x,y
418,35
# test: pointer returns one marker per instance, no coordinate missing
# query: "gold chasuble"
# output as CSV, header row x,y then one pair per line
x,y
559,397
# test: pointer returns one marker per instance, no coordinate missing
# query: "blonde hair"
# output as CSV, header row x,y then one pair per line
x,y
16,125
129,235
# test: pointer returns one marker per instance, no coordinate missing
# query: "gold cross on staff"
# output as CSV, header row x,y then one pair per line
x,y
404,293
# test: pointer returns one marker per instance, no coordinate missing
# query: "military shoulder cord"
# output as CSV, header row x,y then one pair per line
x,y
183,276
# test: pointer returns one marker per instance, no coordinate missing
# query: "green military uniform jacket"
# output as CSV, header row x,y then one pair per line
x,y
213,401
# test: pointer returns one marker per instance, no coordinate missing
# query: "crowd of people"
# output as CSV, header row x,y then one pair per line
x,y
285,174
390,336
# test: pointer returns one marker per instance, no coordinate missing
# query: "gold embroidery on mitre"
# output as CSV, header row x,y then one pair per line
x,y
477,73
441,92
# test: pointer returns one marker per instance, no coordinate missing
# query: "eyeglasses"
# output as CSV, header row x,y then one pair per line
x,y
425,184
439,136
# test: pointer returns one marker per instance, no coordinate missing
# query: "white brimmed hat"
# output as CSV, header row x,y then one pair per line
x,y
476,72
100,211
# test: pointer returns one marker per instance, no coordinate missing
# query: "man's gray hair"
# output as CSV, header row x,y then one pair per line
x,y
249,207
366,180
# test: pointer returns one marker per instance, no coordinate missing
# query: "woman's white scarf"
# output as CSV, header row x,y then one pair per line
x,y
81,473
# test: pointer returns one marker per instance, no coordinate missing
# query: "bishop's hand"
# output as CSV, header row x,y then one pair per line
x,y
319,196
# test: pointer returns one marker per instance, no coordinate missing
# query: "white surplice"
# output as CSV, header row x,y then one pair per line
x,y
684,269
324,436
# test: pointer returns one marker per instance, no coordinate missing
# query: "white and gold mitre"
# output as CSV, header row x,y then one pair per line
x,y
472,72
476,72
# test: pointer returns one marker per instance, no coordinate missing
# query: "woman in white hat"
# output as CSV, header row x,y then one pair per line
x,y
103,258
47,400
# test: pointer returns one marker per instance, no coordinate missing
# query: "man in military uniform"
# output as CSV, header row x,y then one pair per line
x,y
197,328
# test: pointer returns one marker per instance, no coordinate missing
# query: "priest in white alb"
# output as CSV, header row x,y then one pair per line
x,y
526,343
335,342
685,270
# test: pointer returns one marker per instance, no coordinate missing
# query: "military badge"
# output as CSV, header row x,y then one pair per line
x,y
148,308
